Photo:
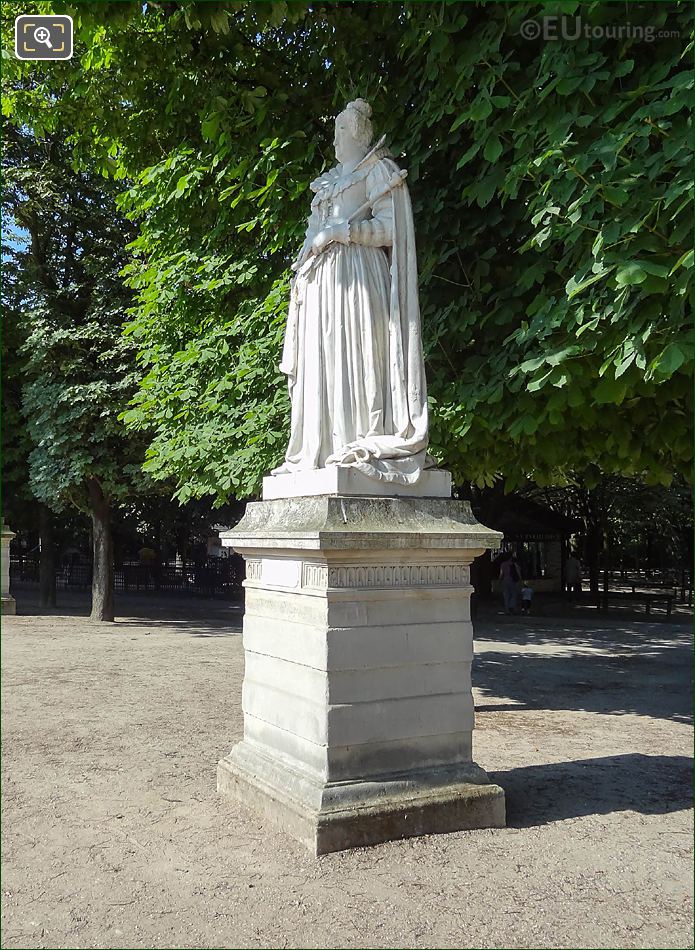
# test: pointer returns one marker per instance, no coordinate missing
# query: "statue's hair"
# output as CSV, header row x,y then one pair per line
x,y
360,113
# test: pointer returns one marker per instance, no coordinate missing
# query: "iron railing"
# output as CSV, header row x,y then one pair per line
x,y
212,577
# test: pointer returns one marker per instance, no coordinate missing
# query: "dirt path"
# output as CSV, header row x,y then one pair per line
x,y
114,836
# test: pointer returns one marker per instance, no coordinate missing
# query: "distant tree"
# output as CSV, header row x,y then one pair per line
x,y
16,444
78,369
624,519
21,508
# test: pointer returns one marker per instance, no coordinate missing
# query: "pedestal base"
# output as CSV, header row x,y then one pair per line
x,y
335,817
9,605
358,643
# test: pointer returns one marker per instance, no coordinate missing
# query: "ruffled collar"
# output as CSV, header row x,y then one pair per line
x,y
335,180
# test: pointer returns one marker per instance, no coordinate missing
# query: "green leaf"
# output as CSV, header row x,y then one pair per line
x,y
480,110
630,274
572,288
493,149
685,260
669,360
468,155
616,196
610,390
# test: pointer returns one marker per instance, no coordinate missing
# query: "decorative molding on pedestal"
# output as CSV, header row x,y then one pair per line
x,y
399,575
253,570
316,576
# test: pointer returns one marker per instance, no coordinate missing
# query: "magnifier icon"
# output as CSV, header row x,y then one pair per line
x,y
43,35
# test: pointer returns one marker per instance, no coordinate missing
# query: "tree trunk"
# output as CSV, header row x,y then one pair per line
x,y
47,561
102,553
481,576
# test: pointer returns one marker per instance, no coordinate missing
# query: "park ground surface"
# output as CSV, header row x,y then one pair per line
x,y
114,835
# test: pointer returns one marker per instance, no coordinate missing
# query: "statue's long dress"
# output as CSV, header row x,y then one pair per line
x,y
353,351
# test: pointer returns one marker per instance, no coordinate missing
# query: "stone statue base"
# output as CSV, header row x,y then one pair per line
x,y
358,712
344,480
336,816
9,604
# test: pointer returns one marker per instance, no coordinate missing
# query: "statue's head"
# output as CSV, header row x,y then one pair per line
x,y
353,131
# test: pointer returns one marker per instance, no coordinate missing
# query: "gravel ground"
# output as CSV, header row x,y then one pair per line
x,y
114,836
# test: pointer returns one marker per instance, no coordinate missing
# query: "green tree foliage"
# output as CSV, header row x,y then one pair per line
x,y
552,195
16,444
78,369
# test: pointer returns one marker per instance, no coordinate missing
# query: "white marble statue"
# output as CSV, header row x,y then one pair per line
x,y
353,349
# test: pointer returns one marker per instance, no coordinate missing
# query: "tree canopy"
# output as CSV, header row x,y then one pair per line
x,y
77,369
552,194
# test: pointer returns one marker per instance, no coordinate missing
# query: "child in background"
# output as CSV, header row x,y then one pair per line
x,y
526,597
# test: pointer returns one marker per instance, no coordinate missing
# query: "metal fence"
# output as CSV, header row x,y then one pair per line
x,y
216,576
678,582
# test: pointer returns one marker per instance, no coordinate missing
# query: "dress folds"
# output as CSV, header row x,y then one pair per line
x,y
353,349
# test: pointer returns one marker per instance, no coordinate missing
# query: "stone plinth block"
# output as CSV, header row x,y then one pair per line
x,y
343,480
358,712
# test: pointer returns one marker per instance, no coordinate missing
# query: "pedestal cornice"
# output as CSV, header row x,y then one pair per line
x,y
325,522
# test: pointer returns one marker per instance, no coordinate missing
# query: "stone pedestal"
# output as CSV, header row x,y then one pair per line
x,y
358,713
9,604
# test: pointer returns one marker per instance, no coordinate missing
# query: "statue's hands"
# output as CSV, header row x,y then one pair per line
x,y
340,233
336,233
321,241
303,256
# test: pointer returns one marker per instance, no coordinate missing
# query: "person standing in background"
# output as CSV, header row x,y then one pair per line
x,y
526,597
510,577
573,576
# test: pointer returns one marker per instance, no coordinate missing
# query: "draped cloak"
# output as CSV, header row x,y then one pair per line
x,y
353,347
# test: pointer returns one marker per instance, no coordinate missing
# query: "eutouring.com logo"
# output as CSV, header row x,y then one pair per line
x,y
570,29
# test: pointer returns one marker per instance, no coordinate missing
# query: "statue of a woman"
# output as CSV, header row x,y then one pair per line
x,y
353,350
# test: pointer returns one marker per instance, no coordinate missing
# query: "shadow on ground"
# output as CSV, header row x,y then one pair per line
x,y
652,679
648,784
188,614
